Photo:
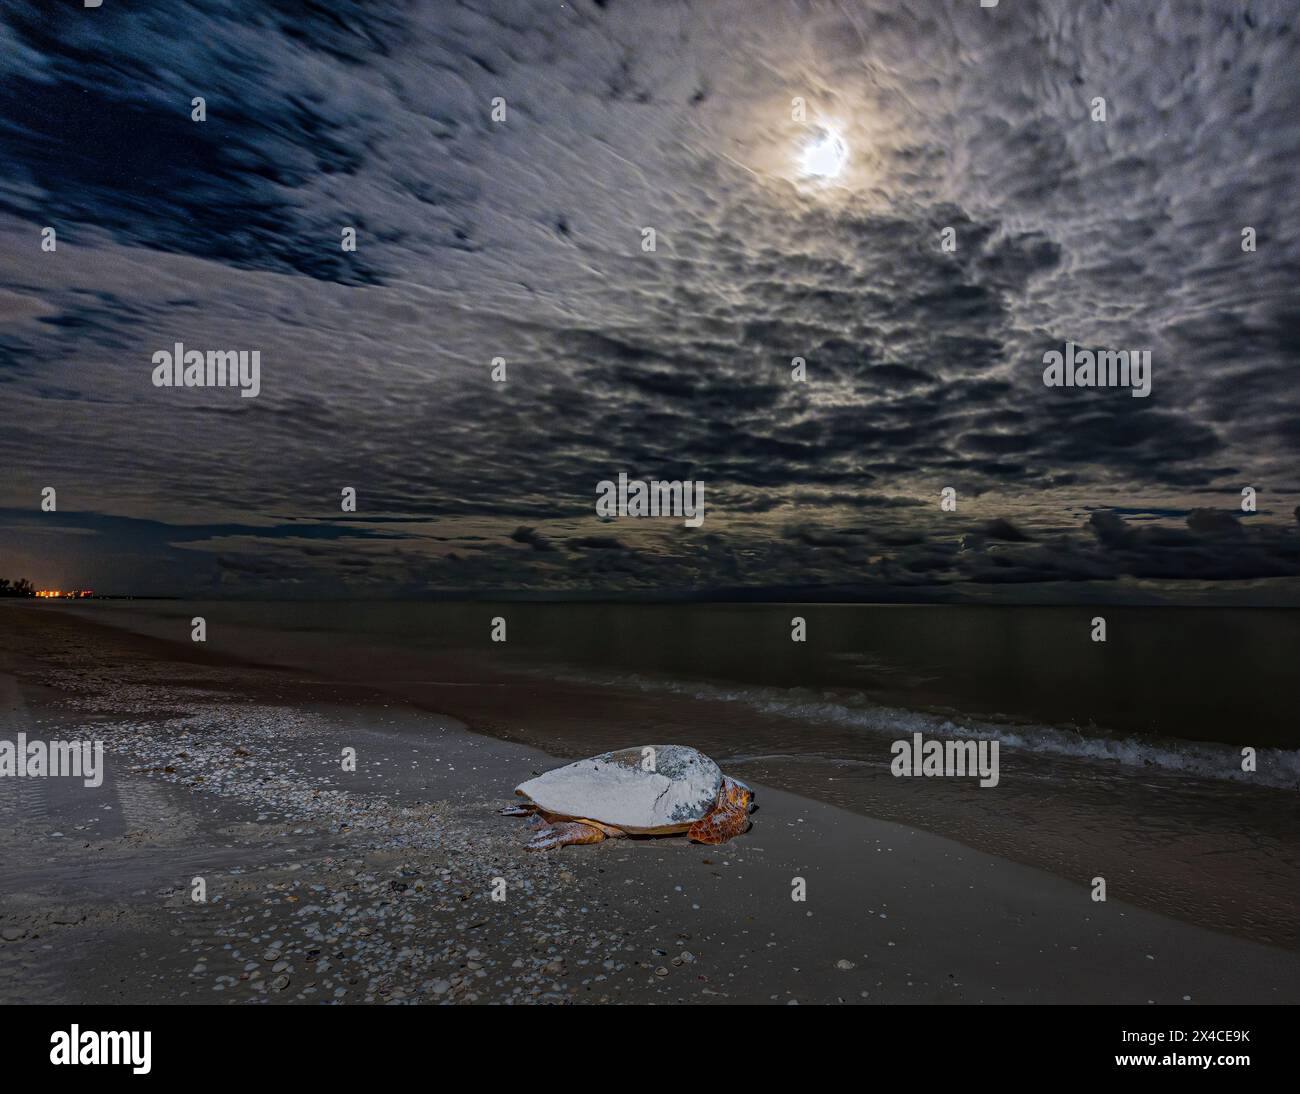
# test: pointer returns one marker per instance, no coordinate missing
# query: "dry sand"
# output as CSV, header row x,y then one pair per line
x,y
377,886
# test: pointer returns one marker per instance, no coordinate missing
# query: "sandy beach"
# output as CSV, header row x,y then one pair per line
x,y
377,885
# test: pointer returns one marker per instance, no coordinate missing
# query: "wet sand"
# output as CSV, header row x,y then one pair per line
x,y
377,886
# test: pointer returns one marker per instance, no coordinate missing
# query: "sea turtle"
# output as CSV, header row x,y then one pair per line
x,y
653,791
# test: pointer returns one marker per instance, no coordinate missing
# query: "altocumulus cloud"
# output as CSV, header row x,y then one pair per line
x,y
522,239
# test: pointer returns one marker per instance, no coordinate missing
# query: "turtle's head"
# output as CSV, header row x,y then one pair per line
x,y
729,816
736,794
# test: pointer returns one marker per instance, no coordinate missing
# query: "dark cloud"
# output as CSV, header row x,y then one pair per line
x,y
597,543
1004,530
531,537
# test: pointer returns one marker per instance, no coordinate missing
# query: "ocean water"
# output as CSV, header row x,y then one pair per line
x,y
1176,689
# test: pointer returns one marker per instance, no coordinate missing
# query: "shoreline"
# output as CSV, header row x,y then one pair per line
x,y
386,875
1215,853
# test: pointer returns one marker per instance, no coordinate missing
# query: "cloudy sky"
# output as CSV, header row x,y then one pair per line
x,y
522,239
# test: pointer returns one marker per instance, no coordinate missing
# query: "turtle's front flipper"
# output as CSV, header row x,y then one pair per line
x,y
515,811
729,818
563,833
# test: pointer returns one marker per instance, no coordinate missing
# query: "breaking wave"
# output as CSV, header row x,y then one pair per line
x,y
1276,768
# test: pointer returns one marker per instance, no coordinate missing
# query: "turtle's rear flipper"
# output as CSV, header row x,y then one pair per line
x,y
562,834
515,811
727,819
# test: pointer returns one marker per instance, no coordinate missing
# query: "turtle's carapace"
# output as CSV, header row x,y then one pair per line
x,y
617,794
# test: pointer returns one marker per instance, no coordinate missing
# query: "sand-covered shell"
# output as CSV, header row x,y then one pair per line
x,y
658,788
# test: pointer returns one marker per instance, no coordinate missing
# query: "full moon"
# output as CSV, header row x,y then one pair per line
x,y
826,155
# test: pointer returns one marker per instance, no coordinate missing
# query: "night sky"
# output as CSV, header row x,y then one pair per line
x,y
522,239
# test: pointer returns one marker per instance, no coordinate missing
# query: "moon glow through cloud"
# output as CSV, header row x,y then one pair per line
x,y
825,155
